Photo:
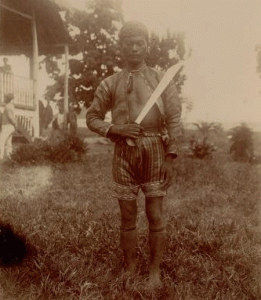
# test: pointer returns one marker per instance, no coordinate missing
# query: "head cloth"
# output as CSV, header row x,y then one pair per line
x,y
133,28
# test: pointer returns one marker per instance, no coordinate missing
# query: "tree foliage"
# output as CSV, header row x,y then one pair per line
x,y
258,50
167,51
95,31
242,148
204,128
200,146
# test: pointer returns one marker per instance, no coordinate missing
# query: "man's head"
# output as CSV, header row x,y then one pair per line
x,y
8,98
71,108
5,60
134,37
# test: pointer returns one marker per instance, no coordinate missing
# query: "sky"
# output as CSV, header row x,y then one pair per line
x,y
222,80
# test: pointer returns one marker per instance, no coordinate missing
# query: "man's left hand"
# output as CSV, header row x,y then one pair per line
x,y
167,171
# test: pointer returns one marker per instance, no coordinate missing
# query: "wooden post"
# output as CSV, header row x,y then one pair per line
x,y
66,75
35,77
2,87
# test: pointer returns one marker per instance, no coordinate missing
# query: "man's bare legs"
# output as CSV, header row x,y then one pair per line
x,y
157,238
157,235
129,233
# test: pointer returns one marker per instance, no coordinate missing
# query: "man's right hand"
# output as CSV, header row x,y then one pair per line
x,y
127,130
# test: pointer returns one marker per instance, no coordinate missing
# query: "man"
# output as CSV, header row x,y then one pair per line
x,y
6,68
8,127
59,118
72,120
149,164
45,116
41,116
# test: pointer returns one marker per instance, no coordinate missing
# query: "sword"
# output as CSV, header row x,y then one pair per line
x,y
171,72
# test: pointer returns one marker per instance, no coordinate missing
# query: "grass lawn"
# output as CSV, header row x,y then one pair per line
x,y
72,229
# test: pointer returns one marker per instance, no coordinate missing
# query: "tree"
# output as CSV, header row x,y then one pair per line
x,y
167,51
201,147
204,128
242,148
94,31
258,50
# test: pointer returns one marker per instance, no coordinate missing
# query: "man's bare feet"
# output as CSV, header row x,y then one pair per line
x,y
155,279
131,267
129,274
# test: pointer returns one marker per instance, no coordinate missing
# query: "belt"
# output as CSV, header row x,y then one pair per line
x,y
149,134
151,131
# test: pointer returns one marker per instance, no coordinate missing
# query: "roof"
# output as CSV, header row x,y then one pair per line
x,y
16,29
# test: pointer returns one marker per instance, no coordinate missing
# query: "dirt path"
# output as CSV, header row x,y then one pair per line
x,y
34,180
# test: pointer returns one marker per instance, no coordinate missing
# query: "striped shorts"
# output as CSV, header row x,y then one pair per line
x,y
138,167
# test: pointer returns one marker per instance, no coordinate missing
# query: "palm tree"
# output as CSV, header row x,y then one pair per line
x,y
204,128
201,148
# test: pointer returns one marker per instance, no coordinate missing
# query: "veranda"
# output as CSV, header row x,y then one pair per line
x,y
31,28
25,108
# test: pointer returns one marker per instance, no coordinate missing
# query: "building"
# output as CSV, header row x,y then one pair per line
x,y
32,28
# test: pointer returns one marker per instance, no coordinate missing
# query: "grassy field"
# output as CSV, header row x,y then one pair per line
x,y
72,229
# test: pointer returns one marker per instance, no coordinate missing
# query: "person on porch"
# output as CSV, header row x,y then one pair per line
x,y
8,127
6,68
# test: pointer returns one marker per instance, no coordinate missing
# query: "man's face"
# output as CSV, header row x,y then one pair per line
x,y
134,49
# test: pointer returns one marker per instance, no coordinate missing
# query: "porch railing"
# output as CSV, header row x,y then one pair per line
x,y
25,126
21,87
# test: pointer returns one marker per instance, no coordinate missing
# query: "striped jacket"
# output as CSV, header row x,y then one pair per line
x,y
111,95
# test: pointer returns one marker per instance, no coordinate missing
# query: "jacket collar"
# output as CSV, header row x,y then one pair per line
x,y
141,69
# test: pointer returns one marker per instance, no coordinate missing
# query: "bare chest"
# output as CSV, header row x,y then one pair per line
x,y
137,97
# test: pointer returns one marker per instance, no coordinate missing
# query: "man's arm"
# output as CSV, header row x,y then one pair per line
x,y
10,115
172,109
96,113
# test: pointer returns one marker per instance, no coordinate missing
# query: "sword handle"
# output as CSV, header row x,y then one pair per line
x,y
131,142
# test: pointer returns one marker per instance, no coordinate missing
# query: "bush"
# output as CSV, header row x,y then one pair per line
x,y
66,149
201,148
241,148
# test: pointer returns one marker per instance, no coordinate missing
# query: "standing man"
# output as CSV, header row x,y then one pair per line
x,y
72,121
8,127
148,165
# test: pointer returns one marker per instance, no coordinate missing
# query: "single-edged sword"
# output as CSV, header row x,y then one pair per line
x,y
170,73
